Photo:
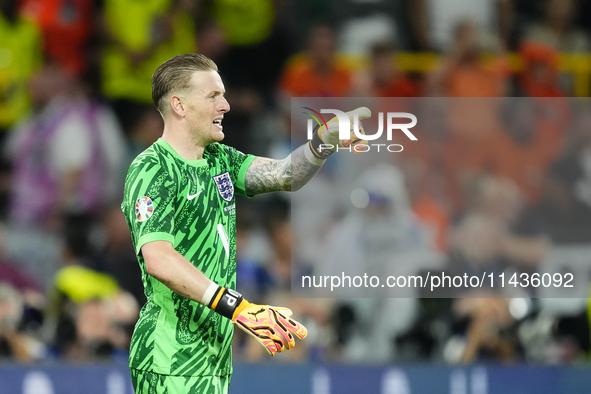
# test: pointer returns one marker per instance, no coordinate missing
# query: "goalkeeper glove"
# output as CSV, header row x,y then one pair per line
x,y
325,139
271,326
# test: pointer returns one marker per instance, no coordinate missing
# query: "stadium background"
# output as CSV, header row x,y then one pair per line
x,y
75,109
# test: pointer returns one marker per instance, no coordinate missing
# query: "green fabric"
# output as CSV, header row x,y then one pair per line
x,y
174,335
152,383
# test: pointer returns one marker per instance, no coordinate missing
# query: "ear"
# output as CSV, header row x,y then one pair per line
x,y
177,105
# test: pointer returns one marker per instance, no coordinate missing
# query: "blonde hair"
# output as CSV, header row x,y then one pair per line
x,y
175,74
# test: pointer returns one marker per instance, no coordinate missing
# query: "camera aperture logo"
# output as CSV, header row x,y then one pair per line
x,y
344,125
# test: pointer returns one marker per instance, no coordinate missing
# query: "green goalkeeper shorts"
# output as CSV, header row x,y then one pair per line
x,y
145,382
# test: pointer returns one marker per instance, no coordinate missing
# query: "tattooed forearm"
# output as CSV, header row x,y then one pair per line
x,y
301,168
267,175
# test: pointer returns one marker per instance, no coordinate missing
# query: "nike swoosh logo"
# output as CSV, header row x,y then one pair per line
x,y
192,196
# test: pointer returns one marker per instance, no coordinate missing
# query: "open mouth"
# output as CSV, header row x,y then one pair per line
x,y
217,122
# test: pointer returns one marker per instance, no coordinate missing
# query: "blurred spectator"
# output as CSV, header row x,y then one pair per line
x,y
122,314
432,213
211,40
476,246
452,151
526,146
77,320
67,26
483,328
487,239
433,22
539,77
317,72
462,73
376,232
136,46
371,240
566,199
490,332
256,52
426,167
89,337
236,19
80,284
363,23
383,79
274,284
37,252
116,256
16,274
472,122
252,277
250,76
98,328
144,127
497,210
70,152
557,29
20,57
15,345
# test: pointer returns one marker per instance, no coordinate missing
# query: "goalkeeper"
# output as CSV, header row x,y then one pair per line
x,y
179,203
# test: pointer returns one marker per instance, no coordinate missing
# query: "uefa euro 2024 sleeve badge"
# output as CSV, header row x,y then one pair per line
x,y
144,209
225,186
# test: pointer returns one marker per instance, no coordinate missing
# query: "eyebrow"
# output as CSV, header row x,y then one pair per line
x,y
216,92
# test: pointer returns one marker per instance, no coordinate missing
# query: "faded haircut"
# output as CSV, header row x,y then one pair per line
x,y
175,74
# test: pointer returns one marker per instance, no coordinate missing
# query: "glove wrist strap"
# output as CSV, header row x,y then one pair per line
x,y
209,294
320,152
225,301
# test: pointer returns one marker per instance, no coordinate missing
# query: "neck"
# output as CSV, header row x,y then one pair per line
x,y
182,143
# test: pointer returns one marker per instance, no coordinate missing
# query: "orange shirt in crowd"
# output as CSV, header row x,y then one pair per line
x,y
476,118
301,79
475,81
539,77
66,27
401,86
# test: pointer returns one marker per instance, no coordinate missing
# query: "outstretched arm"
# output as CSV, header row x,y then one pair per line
x,y
266,175
292,173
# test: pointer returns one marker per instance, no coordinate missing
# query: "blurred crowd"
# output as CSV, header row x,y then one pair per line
x,y
75,109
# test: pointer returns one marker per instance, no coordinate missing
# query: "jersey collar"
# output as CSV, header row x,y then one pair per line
x,y
165,145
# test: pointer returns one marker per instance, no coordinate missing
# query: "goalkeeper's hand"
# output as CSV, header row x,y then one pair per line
x,y
326,140
271,326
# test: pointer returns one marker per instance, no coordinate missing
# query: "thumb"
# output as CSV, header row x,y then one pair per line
x,y
362,113
286,312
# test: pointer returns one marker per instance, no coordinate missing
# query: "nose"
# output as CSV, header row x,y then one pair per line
x,y
225,106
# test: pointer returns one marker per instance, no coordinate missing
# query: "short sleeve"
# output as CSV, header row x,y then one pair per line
x,y
148,204
239,163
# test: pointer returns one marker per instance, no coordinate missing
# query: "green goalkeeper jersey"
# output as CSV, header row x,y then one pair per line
x,y
192,205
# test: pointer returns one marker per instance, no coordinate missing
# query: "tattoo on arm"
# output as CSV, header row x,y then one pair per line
x,y
290,174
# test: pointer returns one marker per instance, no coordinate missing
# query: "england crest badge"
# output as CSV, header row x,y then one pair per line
x,y
225,186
